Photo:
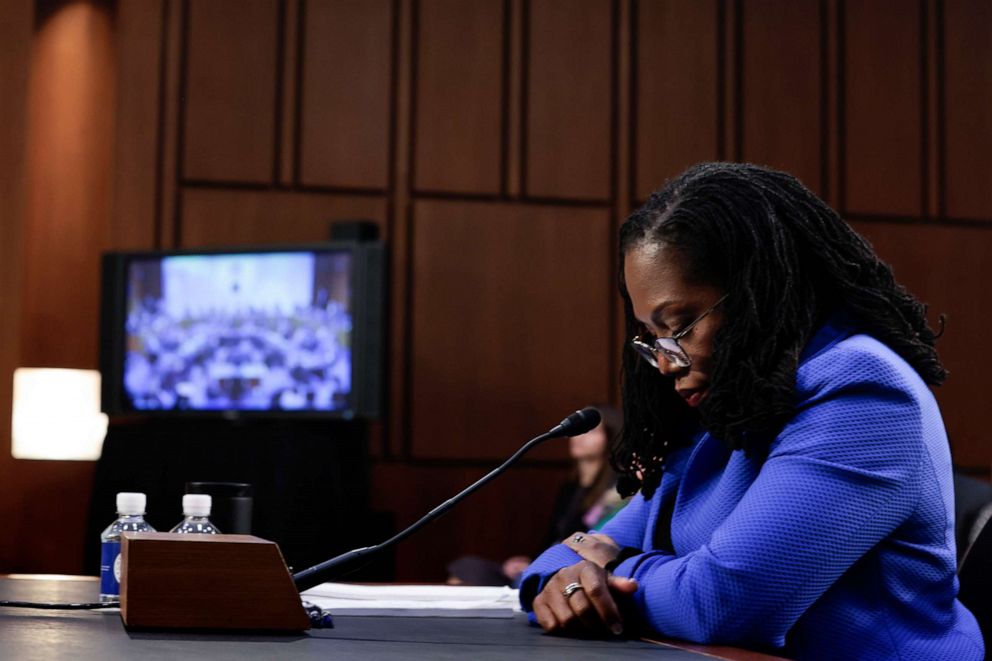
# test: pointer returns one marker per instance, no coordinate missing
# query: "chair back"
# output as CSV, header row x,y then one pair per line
x,y
975,576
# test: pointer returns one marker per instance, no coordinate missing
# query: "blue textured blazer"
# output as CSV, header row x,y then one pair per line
x,y
839,544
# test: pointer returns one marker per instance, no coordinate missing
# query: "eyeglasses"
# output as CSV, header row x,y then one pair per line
x,y
669,347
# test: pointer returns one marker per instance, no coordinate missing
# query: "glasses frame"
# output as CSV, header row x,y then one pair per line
x,y
669,346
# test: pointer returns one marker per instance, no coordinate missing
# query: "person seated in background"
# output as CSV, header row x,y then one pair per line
x,y
587,500
792,466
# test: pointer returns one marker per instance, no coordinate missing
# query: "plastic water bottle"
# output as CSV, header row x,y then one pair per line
x,y
196,513
130,518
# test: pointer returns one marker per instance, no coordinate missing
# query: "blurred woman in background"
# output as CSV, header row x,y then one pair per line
x,y
587,500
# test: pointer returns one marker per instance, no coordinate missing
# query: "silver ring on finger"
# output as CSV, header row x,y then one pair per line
x,y
570,589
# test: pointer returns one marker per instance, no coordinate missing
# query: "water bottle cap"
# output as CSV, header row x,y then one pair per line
x,y
197,504
131,503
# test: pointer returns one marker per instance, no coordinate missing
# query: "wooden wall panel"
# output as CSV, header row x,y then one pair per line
x,y
70,133
458,96
939,266
510,516
675,88
234,217
781,87
568,114
136,153
504,311
230,90
345,115
53,496
968,62
507,302
882,110
15,35
292,69
172,80
70,155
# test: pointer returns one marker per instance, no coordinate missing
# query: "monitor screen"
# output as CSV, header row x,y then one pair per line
x,y
229,331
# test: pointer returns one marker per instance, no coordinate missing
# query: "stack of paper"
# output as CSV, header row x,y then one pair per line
x,y
414,600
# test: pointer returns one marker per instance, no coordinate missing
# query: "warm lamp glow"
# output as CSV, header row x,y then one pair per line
x,y
56,414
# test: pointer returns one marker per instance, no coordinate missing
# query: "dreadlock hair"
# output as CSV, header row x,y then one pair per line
x,y
786,262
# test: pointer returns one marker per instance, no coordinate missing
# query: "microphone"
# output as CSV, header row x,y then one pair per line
x,y
577,423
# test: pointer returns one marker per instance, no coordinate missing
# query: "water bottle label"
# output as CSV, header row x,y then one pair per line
x,y
110,568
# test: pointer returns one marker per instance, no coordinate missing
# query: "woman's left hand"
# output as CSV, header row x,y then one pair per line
x,y
594,547
582,599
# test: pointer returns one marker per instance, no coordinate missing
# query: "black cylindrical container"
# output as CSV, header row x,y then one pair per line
x,y
232,505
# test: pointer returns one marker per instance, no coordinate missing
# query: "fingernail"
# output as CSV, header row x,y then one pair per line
x,y
617,629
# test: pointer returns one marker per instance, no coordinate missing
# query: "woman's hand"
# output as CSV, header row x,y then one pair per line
x,y
594,547
580,599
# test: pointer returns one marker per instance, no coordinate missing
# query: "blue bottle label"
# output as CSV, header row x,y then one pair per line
x,y
110,568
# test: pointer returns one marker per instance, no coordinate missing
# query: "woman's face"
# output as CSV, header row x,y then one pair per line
x,y
664,303
589,446
588,451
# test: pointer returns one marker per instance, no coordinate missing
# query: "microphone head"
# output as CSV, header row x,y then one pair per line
x,y
578,423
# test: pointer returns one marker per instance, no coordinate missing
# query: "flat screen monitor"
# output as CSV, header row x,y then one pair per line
x,y
292,330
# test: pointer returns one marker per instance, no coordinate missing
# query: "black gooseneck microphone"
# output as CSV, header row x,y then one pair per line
x,y
579,422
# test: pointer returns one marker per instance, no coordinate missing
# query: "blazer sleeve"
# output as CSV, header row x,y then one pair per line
x,y
626,529
840,477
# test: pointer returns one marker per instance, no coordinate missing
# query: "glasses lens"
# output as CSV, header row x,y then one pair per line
x,y
671,350
645,352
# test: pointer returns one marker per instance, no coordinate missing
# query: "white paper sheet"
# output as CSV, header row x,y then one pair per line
x,y
414,600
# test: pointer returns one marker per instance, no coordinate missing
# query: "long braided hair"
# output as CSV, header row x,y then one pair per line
x,y
787,262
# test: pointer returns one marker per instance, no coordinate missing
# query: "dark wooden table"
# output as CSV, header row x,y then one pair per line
x,y
99,635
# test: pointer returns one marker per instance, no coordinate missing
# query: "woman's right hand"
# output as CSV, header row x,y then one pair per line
x,y
594,547
590,609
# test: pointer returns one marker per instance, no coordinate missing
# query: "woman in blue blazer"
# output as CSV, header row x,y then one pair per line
x,y
790,464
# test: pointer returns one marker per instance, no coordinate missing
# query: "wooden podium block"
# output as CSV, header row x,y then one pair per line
x,y
171,581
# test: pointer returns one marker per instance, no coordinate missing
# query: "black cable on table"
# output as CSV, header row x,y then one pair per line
x,y
43,606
